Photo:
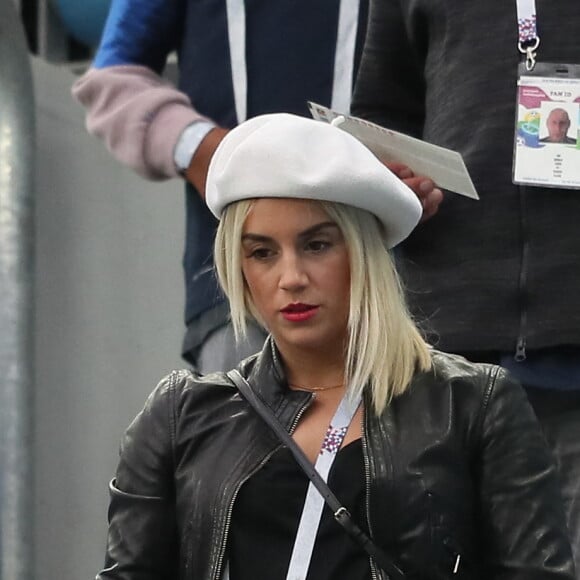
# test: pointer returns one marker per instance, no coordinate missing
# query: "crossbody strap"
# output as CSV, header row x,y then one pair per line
x,y
341,514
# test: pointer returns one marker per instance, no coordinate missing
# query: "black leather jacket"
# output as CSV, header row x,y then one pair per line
x,y
457,473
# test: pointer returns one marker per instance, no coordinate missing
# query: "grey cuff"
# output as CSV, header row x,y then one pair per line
x,y
189,141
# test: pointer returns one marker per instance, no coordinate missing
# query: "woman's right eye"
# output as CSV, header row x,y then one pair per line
x,y
261,253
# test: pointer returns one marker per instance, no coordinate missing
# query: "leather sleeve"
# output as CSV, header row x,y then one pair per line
x,y
142,539
390,89
524,532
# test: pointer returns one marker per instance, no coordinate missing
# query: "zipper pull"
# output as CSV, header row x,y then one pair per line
x,y
456,567
520,350
453,553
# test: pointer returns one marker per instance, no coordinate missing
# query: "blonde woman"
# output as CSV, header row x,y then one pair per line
x,y
439,461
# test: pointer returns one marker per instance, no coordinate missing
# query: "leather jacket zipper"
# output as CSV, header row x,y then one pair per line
x,y
222,550
218,570
375,575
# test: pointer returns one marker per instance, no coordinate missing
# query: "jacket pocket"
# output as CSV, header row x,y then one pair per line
x,y
119,494
449,543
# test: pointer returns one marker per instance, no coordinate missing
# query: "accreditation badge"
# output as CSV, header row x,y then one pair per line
x,y
547,132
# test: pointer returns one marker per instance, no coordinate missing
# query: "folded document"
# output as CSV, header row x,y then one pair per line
x,y
445,167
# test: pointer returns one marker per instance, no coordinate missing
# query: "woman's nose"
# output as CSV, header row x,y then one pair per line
x,y
292,272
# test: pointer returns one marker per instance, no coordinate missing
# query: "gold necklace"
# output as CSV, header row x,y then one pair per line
x,y
305,388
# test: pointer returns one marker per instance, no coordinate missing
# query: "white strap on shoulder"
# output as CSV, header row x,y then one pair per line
x,y
344,55
236,13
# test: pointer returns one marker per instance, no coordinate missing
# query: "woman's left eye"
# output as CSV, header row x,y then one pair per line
x,y
317,245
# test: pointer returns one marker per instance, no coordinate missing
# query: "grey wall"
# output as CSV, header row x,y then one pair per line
x,y
107,326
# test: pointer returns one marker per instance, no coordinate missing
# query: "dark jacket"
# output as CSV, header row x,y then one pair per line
x,y
501,273
290,56
456,466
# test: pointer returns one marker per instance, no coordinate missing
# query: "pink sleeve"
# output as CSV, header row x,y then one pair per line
x,y
137,114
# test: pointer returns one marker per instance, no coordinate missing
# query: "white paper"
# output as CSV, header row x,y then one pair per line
x,y
445,167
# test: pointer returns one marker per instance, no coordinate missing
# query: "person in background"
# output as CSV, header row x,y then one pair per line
x,y
236,60
558,124
497,280
440,460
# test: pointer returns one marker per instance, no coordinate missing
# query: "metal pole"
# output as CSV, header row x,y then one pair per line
x,y
17,144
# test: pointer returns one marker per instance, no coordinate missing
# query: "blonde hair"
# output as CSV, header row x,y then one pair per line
x,y
385,348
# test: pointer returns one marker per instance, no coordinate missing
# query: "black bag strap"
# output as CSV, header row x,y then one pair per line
x,y
341,514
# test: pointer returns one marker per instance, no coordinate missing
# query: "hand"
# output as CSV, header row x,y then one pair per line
x,y
424,188
196,173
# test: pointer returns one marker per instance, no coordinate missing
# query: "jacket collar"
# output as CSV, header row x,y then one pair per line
x,y
266,375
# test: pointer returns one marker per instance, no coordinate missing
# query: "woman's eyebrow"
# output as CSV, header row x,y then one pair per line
x,y
316,228
251,237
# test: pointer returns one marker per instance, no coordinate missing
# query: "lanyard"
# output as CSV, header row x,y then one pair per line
x,y
528,39
314,502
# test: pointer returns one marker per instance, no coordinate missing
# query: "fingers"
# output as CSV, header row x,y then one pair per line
x,y
429,195
401,170
431,204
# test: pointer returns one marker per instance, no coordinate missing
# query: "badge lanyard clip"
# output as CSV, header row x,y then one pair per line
x,y
530,52
528,39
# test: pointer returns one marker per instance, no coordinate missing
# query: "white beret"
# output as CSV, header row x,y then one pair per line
x,y
283,155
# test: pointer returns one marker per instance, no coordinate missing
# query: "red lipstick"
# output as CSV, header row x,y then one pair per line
x,y
299,312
